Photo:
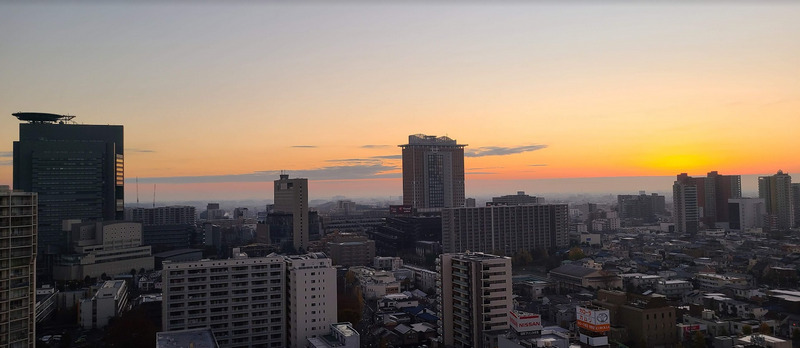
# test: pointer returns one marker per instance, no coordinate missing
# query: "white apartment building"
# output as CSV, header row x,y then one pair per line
x,y
341,335
111,300
424,279
474,295
673,288
374,283
311,300
242,300
713,281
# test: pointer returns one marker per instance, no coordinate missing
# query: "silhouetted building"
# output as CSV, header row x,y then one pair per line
x,y
77,171
776,190
641,207
710,196
796,203
517,199
505,229
399,234
433,172
291,197
172,215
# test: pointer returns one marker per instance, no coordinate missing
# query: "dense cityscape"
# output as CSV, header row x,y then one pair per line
x,y
84,266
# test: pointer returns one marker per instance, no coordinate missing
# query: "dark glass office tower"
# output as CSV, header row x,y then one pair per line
x,y
77,170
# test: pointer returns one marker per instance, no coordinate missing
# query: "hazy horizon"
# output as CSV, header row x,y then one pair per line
x,y
217,98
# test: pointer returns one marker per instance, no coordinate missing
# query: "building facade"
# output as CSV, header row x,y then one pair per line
x,y
77,171
641,207
291,196
311,297
242,300
433,172
171,215
18,223
505,229
776,191
746,213
474,295
111,247
517,199
110,301
710,194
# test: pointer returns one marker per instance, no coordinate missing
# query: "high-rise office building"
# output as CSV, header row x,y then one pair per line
x,y
242,300
707,202
77,170
796,203
719,189
291,196
433,172
474,295
776,190
18,217
505,229
311,300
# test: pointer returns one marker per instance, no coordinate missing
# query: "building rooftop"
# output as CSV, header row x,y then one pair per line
x,y
196,338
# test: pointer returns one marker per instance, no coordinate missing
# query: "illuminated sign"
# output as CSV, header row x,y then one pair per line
x,y
401,209
524,322
593,319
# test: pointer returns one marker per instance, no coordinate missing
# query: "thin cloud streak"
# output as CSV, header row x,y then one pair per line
x,y
140,150
368,171
304,146
538,165
371,146
501,151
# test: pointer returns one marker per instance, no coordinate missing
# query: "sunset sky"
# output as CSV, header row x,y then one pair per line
x,y
216,99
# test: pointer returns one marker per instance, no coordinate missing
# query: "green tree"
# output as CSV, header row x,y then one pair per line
x,y
698,340
747,330
576,253
764,329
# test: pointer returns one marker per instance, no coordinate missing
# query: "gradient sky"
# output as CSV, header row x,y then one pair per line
x,y
216,99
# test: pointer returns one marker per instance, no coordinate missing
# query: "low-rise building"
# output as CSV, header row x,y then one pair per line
x,y
424,279
673,288
108,247
571,277
342,335
374,283
110,301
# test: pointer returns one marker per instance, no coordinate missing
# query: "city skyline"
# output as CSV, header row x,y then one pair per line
x,y
217,100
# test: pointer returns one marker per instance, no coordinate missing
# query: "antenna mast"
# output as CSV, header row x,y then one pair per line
x,y
154,195
137,191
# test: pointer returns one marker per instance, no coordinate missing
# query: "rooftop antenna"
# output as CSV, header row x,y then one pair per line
x,y
154,195
137,191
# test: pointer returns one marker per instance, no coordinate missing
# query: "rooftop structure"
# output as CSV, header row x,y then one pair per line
x,y
195,338
42,117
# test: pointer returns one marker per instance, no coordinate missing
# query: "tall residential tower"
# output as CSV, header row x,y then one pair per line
x,y
433,172
18,268
776,190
